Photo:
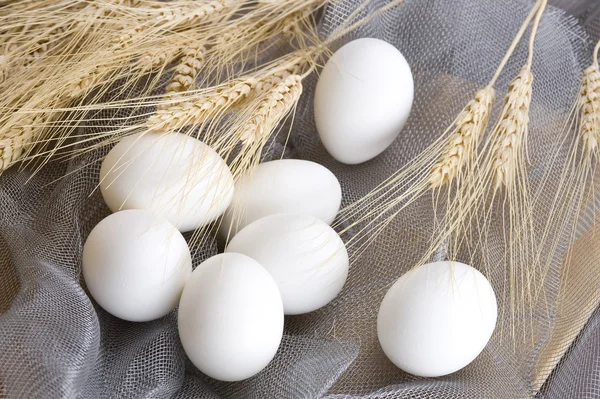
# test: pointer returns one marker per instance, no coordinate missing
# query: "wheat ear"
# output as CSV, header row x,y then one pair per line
x,y
589,102
511,130
292,25
278,102
17,142
188,68
195,110
463,141
274,78
164,18
192,14
5,57
198,110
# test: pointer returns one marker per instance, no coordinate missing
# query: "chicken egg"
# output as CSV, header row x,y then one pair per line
x,y
172,175
283,186
230,317
363,99
437,318
305,256
135,265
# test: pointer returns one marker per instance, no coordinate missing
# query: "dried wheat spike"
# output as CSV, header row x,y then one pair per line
x,y
81,85
5,58
11,52
589,103
276,104
153,59
511,130
43,46
125,38
197,111
188,68
15,144
173,17
291,24
295,66
95,11
192,14
466,133
130,3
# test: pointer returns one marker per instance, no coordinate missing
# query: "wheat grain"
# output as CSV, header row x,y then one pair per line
x,y
277,103
84,82
44,45
511,130
94,12
154,58
188,68
167,18
462,142
122,40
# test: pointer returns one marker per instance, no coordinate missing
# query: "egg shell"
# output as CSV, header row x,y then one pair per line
x,y
230,317
283,186
172,175
363,99
135,265
305,256
436,319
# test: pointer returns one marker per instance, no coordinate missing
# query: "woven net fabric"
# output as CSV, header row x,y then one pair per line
x,y
55,341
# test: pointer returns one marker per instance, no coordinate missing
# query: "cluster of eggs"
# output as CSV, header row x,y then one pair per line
x,y
282,257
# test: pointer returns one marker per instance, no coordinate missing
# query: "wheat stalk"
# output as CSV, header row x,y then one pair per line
x,y
470,210
577,180
17,52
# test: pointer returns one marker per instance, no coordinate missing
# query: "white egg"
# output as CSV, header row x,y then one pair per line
x,y
437,319
305,256
283,186
363,98
230,317
172,175
135,265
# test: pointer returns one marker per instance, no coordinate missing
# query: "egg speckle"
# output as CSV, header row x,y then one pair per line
x,y
230,317
135,265
363,99
173,175
305,256
437,319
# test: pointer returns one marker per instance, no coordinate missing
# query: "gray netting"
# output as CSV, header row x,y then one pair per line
x,y
56,342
